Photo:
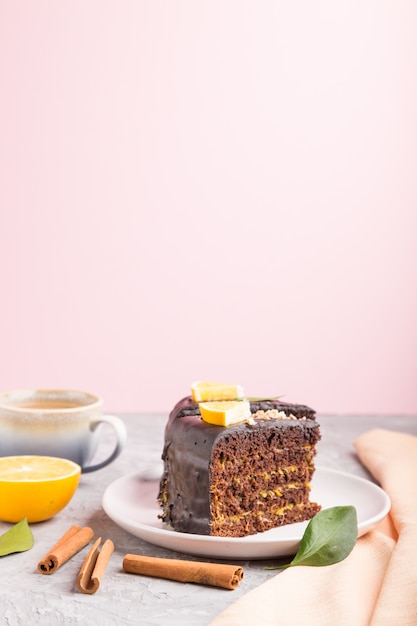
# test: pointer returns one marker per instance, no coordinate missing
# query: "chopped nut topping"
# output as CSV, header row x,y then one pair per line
x,y
273,414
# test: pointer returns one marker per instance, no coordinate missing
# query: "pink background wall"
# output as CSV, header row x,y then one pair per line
x,y
210,190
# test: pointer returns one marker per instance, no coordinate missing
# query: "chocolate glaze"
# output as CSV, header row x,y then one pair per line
x,y
187,406
184,487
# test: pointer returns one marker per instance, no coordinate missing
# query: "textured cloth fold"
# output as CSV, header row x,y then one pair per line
x,y
376,585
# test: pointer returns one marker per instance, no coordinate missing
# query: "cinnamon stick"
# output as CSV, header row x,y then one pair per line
x,y
69,544
94,566
217,575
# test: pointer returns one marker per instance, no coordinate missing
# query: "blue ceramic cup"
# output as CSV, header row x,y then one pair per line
x,y
57,422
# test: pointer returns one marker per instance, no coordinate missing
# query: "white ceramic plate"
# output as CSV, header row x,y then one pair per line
x,y
131,503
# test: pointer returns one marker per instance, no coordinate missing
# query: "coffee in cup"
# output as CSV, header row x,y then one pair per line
x,y
57,422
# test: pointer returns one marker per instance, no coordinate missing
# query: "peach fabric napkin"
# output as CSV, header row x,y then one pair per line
x,y
376,585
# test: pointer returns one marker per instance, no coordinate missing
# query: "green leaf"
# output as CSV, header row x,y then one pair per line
x,y
329,537
271,399
17,539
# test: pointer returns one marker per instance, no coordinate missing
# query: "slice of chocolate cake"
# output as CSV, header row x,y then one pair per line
x,y
241,479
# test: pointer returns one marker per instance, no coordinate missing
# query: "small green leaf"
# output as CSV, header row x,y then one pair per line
x,y
17,539
271,399
329,537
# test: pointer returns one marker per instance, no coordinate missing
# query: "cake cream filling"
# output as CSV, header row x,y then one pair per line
x,y
279,512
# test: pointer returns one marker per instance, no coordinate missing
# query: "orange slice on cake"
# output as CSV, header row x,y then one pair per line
x,y
203,391
226,412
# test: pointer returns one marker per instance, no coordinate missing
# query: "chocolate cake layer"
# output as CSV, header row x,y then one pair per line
x,y
240,479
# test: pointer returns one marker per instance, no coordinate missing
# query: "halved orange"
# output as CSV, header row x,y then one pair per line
x,y
36,487
226,412
203,391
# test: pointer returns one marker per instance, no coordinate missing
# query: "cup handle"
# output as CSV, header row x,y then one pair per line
x,y
121,434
